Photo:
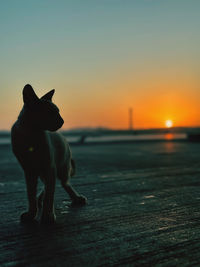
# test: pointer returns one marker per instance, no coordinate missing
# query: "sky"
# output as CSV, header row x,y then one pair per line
x,y
103,57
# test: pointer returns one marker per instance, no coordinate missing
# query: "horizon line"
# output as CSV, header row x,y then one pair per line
x,y
118,129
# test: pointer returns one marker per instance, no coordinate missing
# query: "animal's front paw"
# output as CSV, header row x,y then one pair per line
x,y
28,217
79,201
48,218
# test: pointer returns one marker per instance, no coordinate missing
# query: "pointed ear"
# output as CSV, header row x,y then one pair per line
x,y
48,96
29,96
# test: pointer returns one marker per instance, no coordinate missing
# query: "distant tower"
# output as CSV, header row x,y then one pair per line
x,y
130,119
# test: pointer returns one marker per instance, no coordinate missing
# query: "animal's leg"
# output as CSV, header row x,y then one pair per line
x,y
31,185
40,199
75,197
48,214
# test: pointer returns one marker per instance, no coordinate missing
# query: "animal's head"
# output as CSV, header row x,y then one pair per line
x,y
41,112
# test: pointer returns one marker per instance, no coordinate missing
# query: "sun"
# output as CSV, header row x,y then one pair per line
x,y
168,123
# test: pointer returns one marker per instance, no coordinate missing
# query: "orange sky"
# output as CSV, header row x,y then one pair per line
x,y
156,98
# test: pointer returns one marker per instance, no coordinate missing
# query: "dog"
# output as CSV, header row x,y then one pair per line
x,y
44,153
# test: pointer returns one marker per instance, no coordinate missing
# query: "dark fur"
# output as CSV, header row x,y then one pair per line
x,y
42,153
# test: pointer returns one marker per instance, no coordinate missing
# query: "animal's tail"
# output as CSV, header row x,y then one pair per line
x,y
73,168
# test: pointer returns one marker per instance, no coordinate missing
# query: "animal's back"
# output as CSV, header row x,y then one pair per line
x,y
61,154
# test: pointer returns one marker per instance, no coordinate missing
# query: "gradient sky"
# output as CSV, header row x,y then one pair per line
x,y
103,57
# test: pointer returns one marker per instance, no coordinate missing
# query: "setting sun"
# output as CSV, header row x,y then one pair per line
x,y
169,123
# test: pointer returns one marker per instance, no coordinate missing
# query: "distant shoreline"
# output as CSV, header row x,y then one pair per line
x,y
106,131
96,136
115,139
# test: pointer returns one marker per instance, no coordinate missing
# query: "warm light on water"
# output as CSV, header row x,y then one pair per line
x,y
170,136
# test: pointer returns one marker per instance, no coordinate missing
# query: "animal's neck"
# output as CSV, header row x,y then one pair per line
x,y
26,125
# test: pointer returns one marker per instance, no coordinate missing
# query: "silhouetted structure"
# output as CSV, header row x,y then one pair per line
x,y
130,119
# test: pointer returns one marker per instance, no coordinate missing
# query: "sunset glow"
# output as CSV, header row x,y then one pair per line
x,y
168,123
103,57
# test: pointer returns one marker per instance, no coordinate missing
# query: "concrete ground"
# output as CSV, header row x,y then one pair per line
x,y
143,209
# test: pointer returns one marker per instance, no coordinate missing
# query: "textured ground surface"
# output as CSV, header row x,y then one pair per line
x,y
143,210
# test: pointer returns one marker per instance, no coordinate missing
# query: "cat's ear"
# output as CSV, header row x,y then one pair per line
x,y
49,95
29,96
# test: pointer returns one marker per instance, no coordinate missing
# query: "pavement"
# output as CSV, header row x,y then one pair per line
x,y
143,209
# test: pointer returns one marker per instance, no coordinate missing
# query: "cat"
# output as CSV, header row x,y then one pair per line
x,y
44,153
